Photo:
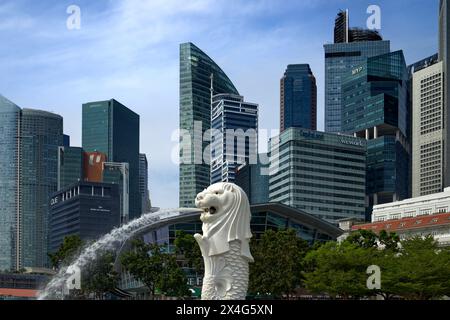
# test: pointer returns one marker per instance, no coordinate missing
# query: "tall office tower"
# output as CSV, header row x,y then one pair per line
x,y
428,130
70,166
111,128
29,141
298,98
143,183
234,125
375,106
323,174
196,72
444,51
341,27
119,173
340,58
41,134
9,185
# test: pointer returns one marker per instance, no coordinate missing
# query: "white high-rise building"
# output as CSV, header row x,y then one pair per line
x,y
428,130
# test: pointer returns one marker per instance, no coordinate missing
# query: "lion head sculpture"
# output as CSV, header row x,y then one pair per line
x,y
226,217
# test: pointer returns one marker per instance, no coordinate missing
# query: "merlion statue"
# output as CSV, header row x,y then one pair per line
x,y
225,241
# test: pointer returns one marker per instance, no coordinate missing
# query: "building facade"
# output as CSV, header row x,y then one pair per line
x,y
350,48
197,71
119,174
420,216
29,143
298,98
111,128
254,180
86,209
234,125
375,107
428,130
321,173
143,183
70,166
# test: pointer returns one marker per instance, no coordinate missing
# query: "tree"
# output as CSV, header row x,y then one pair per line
x,y
156,269
339,270
70,247
186,245
369,239
423,270
99,277
277,269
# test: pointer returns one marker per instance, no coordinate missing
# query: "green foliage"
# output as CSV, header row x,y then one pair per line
x,y
277,269
70,247
155,268
99,277
417,269
339,269
369,239
186,245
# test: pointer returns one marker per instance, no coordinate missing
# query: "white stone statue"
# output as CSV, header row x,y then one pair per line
x,y
225,241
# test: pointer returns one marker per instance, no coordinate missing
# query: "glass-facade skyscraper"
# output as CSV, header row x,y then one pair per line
x,y
350,48
29,143
234,137
298,98
9,184
198,74
376,106
143,183
111,128
323,174
340,58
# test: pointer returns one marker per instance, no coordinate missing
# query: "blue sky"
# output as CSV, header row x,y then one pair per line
x,y
128,50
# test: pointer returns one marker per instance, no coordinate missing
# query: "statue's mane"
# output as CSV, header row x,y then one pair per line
x,y
231,226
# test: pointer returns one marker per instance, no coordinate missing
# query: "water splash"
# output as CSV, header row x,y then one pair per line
x,y
109,242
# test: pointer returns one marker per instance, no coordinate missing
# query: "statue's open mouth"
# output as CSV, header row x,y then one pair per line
x,y
211,210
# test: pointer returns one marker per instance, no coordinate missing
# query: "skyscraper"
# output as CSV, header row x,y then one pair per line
x,y
444,51
86,209
428,130
298,98
323,174
235,136
29,141
111,128
351,48
143,183
375,106
70,166
196,71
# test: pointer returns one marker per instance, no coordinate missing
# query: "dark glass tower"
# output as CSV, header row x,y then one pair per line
x,y
9,184
29,141
375,106
197,71
111,128
350,48
298,92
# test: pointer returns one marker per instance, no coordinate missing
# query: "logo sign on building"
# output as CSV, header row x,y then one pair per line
x,y
54,201
357,70
312,135
352,142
